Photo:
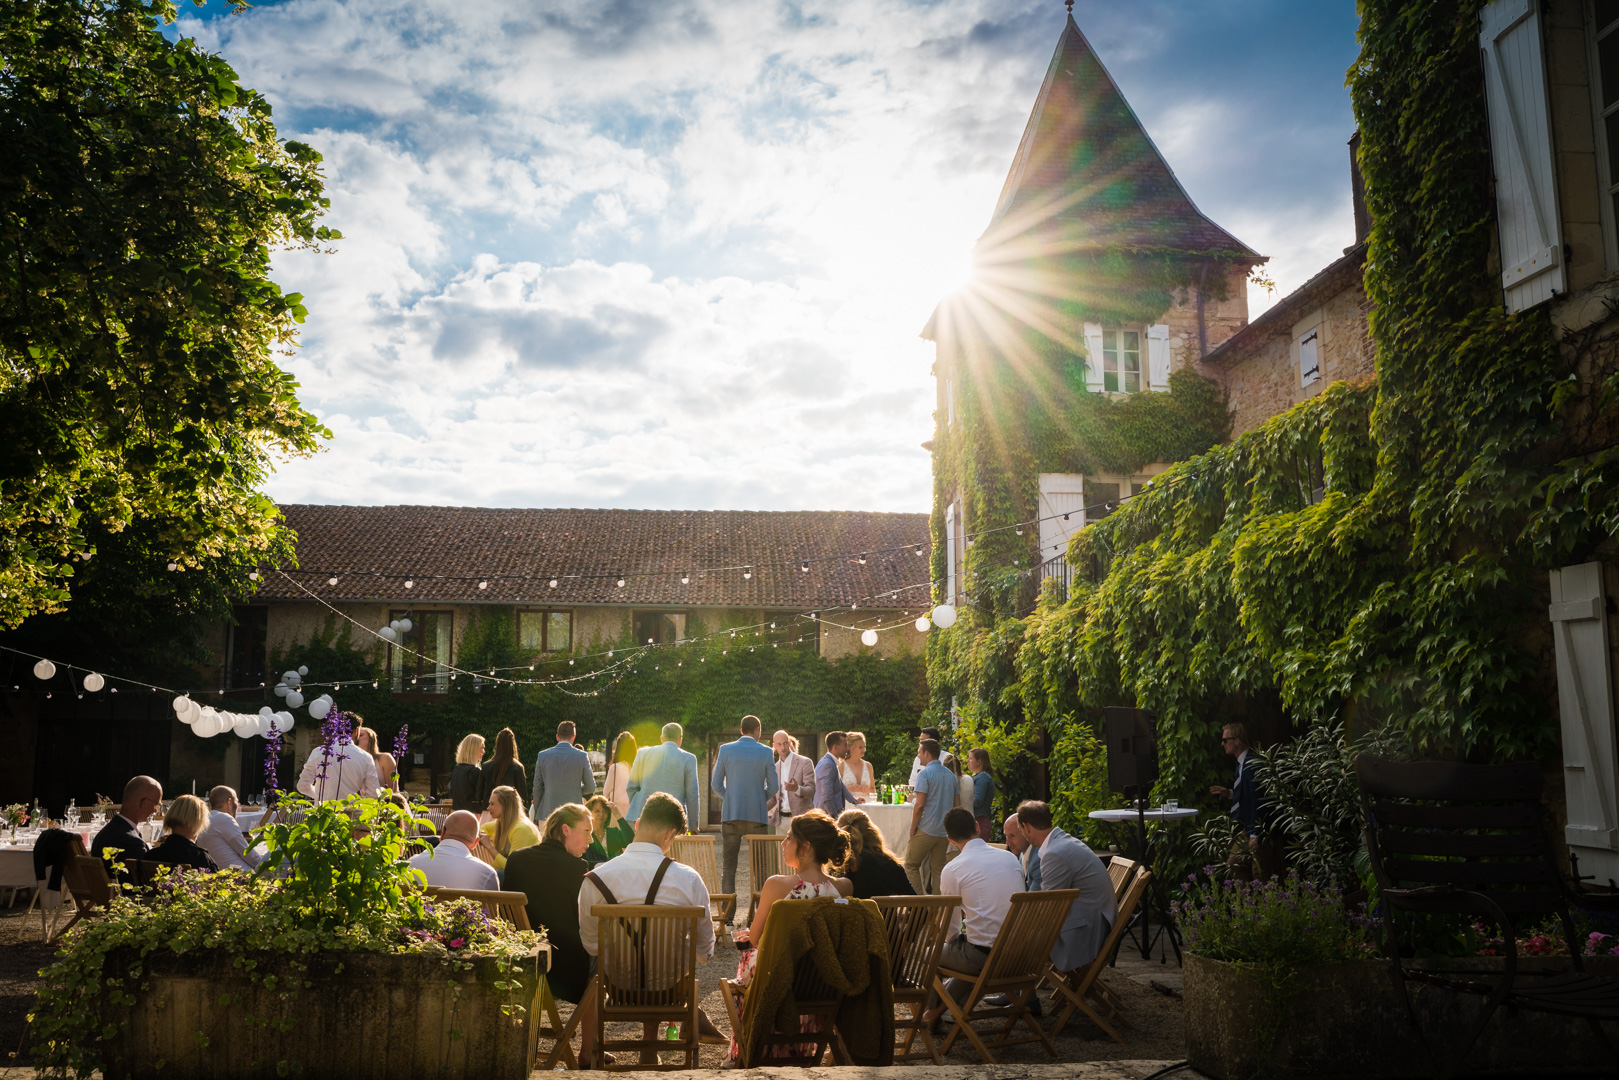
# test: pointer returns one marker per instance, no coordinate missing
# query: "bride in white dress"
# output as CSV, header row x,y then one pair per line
x,y
856,770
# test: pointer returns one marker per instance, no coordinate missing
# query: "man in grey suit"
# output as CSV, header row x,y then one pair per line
x,y
796,775
745,781
666,768
1066,863
561,775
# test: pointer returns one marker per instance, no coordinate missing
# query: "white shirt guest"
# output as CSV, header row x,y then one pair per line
x,y
223,839
350,771
985,878
452,865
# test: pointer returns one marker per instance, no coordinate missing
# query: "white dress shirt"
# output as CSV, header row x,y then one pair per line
x,y
225,844
630,876
985,878
916,767
350,771
452,865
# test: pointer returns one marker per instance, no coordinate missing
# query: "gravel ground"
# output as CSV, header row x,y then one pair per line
x,y
22,955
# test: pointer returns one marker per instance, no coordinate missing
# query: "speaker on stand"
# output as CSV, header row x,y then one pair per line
x,y
1132,770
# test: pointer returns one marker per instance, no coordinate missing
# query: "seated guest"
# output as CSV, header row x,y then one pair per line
x,y
550,874
452,865
122,833
871,867
1018,844
985,878
509,828
629,879
1067,863
186,819
223,839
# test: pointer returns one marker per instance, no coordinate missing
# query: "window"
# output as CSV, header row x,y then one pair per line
x,y
422,664
1121,360
544,631
659,627
1605,89
955,549
1101,498
249,633
1310,356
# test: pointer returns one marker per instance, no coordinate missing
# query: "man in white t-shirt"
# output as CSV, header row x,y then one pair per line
x,y
223,839
349,771
985,878
452,865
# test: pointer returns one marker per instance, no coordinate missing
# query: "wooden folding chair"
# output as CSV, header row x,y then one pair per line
x,y
1121,870
509,907
1086,981
87,882
764,861
814,998
697,852
1017,961
646,972
917,926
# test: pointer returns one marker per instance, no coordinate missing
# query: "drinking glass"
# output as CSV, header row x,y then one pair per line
x,y
1171,805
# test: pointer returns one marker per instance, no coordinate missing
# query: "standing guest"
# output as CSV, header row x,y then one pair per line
x,y
387,772
561,774
1017,842
387,768
467,776
452,865
616,784
871,867
666,768
744,780
645,874
934,797
349,771
504,769
184,822
364,737
964,781
1261,857
985,878
509,828
856,770
223,839
122,832
831,793
549,874
917,765
795,775
983,779
1067,863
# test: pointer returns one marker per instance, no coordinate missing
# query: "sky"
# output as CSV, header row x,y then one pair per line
x,y
676,254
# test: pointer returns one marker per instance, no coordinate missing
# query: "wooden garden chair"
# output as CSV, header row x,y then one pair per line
x,y
764,861
697,852
917,926
52,913
814,998
511,907
1017,962
1448,838
1121,870
646,972
1085,982
88,884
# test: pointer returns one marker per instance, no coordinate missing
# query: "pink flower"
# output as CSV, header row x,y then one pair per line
x,y
457,943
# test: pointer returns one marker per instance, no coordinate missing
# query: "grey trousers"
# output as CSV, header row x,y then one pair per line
x,y
731,834
961,955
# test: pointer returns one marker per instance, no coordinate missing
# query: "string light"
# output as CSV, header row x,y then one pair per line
x,y
409,584
553,583
621,582
331,581
804,566
483,584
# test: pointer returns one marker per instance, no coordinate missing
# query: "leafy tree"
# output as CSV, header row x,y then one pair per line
x,y
142,192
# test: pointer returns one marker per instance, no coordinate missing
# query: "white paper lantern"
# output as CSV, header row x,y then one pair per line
x,y
388,633
294,699
293,679
302,671
404,626
944,616
94,682
266,711
283,722
207,725
181,704
319,708
869,638
393,624
45,670
924,624
281,689
246,725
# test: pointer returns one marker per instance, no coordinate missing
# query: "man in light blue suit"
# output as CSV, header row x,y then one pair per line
x,y
744,781
1066,863
561,775
667,768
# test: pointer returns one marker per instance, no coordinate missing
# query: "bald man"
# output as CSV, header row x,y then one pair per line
x,y
122,834
1017,842
452,865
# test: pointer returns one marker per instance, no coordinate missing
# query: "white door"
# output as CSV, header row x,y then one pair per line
x,y
1062,511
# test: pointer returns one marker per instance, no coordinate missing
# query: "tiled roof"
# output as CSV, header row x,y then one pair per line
x,y
445,550
1086,173
1278,320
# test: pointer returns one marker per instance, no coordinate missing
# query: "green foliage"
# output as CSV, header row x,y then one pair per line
x,y
1284,924
142,193
342,862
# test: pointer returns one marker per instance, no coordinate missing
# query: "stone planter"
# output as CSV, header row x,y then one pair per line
x,y
344,1017
1347,1020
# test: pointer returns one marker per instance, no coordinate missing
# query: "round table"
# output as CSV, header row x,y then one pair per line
x,y
1127,814
1142,851
894,822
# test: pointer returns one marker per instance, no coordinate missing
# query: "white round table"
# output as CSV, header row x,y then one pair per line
x,y
894,822
1160,814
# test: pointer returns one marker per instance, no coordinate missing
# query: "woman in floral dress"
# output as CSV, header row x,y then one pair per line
x,y
814,849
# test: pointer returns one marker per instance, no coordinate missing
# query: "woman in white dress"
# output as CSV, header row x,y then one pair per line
x,y
964,782
856,770
616,784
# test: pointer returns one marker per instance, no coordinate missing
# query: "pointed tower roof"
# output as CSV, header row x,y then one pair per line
x,y
1087,174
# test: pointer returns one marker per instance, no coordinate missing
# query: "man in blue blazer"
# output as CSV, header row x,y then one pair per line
x,y
1245,793
561,775
667,768
744,781
831,793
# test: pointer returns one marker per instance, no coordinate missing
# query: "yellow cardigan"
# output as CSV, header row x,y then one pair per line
x,y
523,835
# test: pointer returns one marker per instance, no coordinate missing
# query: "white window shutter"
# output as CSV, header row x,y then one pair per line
x,y
1579,619
1309,350
1093,357
950,554
1521,146
1158,356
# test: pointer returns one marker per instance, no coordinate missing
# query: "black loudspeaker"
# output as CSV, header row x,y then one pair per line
x,y
1132,751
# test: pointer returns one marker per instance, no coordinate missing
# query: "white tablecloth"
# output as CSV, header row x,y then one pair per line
x,y
1126,815
894,822
16,867
250,819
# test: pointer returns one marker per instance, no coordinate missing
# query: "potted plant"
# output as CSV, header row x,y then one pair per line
x,y
328,961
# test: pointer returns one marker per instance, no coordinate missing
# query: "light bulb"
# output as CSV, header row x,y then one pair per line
x,y
747,574
685,579
252,575
331,581
409,583
174,566
553,583
804,566
621,583
483,584
862,558
919,550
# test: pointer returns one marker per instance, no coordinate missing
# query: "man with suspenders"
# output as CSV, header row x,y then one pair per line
x,y
644,874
